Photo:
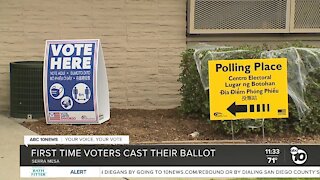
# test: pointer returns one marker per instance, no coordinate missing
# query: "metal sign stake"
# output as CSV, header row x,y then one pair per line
x,y
263,130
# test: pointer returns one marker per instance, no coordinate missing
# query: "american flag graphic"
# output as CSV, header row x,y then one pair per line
x,y
282,112
55,116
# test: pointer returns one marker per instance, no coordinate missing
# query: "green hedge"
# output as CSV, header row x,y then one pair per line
x,y
195,100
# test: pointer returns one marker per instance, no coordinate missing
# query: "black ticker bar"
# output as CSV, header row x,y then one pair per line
x,y
170,155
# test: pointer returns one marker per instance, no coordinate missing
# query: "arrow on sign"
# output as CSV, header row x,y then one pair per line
x,y
233,108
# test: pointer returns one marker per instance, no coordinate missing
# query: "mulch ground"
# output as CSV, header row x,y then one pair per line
x,y
156,126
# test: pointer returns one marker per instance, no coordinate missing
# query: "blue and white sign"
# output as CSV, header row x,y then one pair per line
x,y
75,82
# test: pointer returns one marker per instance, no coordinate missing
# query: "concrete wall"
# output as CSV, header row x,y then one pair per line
x,y
141,39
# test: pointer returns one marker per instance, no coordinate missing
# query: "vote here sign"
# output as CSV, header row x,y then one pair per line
x,y
248,89
74,78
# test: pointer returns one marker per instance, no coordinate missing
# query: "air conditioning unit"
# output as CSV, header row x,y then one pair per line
x,y
238,16
305,16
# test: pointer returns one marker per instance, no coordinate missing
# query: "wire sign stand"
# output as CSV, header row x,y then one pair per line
x,y
255,126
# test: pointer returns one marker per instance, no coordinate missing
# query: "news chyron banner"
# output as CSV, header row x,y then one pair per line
x,y
248,89
75,82
180,161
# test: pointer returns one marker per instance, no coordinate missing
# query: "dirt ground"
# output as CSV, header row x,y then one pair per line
x,y
157,126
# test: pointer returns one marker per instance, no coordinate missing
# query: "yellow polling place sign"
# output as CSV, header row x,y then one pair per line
x,y
248,89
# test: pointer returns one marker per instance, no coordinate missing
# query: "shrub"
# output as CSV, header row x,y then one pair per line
x,y
195,101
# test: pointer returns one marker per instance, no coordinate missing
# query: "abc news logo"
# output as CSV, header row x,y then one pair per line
x,y
299,156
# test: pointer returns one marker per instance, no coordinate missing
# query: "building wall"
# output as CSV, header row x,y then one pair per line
x,y
141,39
